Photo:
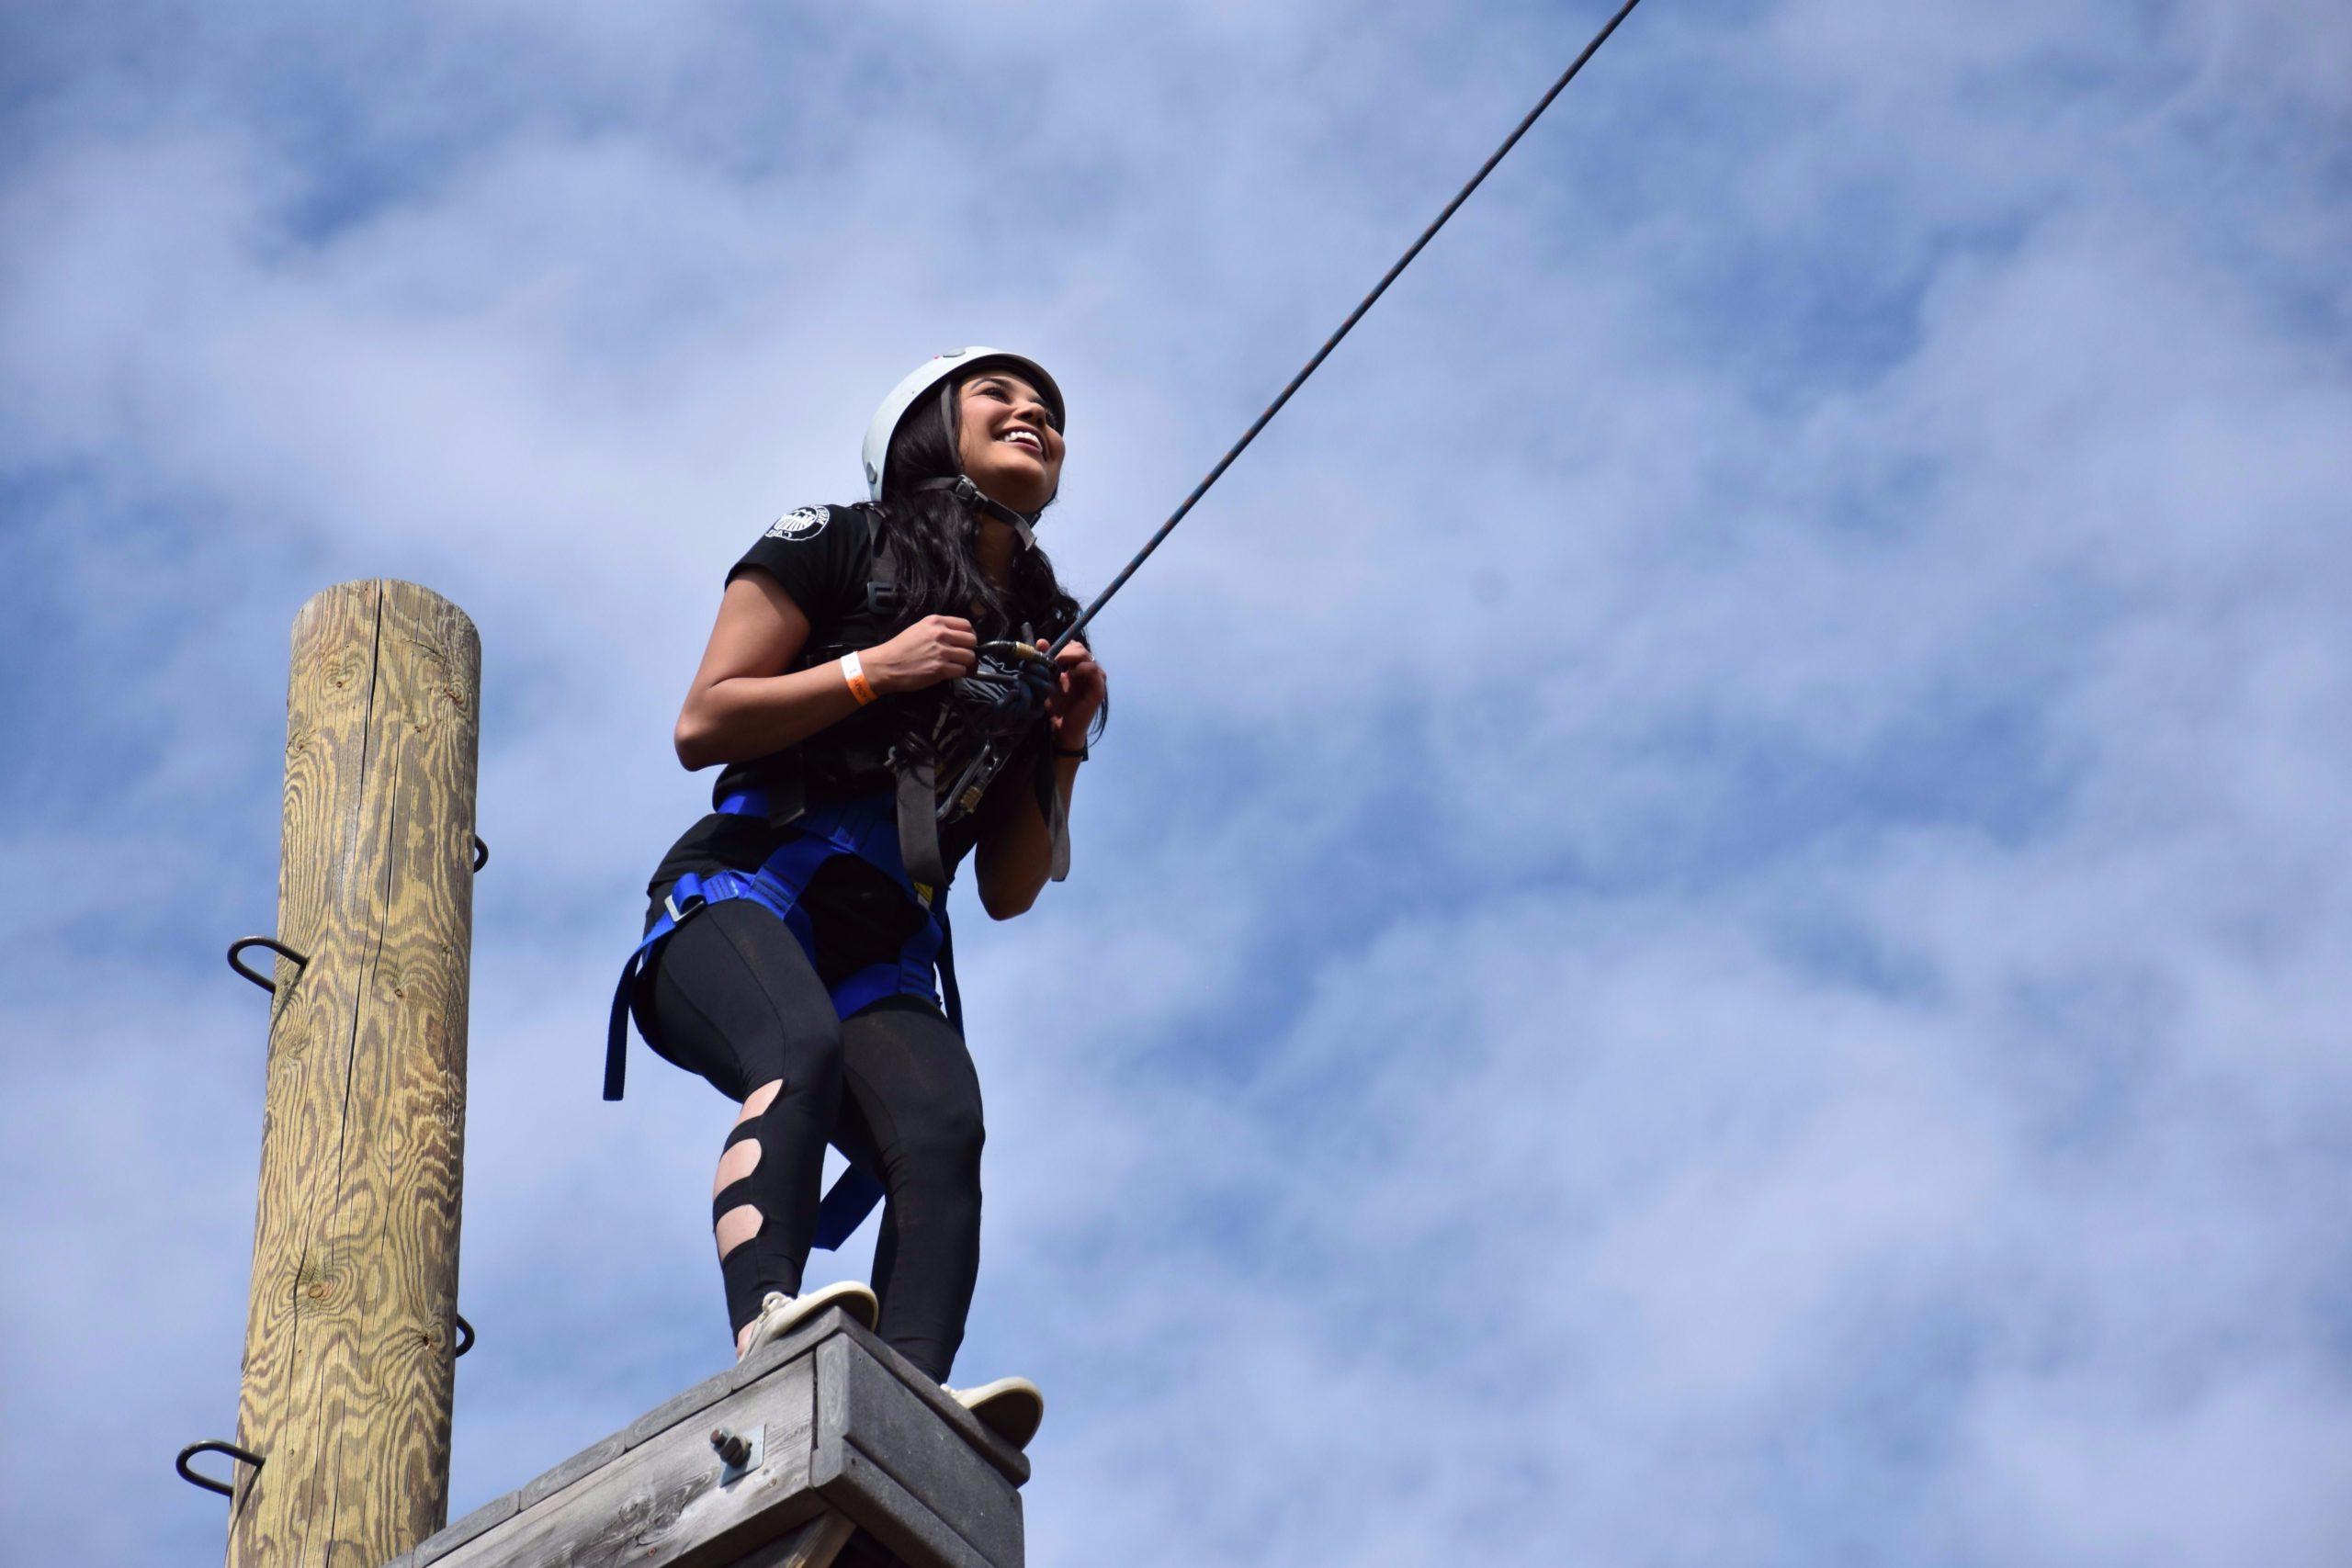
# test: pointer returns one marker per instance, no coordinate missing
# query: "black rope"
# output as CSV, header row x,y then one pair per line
x,y
1345,327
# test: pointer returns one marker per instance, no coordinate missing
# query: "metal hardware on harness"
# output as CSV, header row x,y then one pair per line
x,y
481,853
213,1446
271,942
1007,686
465,1336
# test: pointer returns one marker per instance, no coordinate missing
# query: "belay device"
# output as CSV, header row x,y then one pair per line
x,y
1005,689
995,703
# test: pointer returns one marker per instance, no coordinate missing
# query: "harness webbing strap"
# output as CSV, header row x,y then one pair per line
x,y
856,1190
689,893
917,799
853,1196
776,886
1055,813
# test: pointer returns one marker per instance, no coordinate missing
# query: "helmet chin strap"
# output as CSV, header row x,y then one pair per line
x,y
1023,523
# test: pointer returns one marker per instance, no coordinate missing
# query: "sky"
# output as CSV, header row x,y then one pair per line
x,y
1707,926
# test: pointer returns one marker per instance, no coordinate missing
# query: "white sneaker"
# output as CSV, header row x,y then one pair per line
x,y
780,1313
1014,1408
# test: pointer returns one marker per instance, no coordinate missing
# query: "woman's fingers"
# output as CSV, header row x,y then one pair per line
x,y
955,644
1079,677
1082,686
936,648
1077,660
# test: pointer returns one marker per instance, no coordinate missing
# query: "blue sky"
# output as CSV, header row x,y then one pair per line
x,y
1710,927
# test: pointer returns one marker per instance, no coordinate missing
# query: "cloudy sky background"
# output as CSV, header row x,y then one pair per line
x,y
1711,927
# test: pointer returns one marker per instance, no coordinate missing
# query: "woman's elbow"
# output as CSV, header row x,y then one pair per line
x,y
690,741
1003,899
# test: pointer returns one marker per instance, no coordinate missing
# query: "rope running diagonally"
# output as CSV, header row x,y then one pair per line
x,y
1345,327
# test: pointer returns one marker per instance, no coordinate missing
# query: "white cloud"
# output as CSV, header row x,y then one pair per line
x,y
1708,930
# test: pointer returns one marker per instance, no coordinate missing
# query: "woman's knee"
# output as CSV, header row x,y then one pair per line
x,y
801,1063
943,1147
815,1059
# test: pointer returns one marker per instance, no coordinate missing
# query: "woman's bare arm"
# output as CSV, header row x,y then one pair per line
x,y
747,700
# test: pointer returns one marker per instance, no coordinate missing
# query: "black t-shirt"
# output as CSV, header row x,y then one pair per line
x,y
822,556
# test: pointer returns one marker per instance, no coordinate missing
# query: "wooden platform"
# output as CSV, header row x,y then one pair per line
x,y
860,1462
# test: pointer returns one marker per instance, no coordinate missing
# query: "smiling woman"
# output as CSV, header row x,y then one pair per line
x,y
862,658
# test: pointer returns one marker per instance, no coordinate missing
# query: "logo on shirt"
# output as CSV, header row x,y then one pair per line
x,y
806,523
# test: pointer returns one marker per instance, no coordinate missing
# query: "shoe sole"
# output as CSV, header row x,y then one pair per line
x,y
1014,1408
850,1296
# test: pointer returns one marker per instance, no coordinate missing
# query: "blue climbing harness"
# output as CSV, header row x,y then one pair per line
x,y
867,828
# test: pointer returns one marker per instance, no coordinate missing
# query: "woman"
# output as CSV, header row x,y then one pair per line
x,y
863,658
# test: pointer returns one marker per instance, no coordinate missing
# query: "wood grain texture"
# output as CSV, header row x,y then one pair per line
x,y
813,1545
895,1517
1008,1460
863,1405
846,1430
348,1368
662,1505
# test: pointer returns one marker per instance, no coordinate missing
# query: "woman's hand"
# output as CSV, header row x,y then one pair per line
x,y
1083,686
936,648
1016,852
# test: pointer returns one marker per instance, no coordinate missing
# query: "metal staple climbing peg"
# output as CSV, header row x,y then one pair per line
x,y
213,1446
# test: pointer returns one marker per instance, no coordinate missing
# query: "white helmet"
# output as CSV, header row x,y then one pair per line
x,y
907,393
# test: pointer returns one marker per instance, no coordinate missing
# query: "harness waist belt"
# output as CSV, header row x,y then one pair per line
x,y
865,828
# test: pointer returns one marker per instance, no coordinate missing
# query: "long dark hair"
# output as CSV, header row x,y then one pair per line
x,y
931,535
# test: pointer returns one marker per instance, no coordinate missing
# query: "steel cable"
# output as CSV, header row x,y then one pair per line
x,y
1345,327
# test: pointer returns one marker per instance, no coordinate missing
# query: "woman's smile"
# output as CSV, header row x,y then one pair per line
x,y
1010,446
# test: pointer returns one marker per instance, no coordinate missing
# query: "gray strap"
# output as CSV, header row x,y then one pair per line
x,y
788,796
1050,807
919,820
1023,523
1060,824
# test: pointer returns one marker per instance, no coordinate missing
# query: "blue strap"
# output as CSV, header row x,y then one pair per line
x,y
866,829
690,893
855,1192
854,1195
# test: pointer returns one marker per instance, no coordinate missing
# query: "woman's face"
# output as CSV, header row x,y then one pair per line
x,y
1007,440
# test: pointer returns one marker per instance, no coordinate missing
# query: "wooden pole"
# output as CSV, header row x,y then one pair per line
x,y
349,1337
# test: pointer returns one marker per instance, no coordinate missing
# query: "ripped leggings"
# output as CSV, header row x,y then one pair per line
x,y
732,996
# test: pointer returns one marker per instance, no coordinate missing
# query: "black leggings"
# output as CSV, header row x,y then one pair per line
x,y
732,996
